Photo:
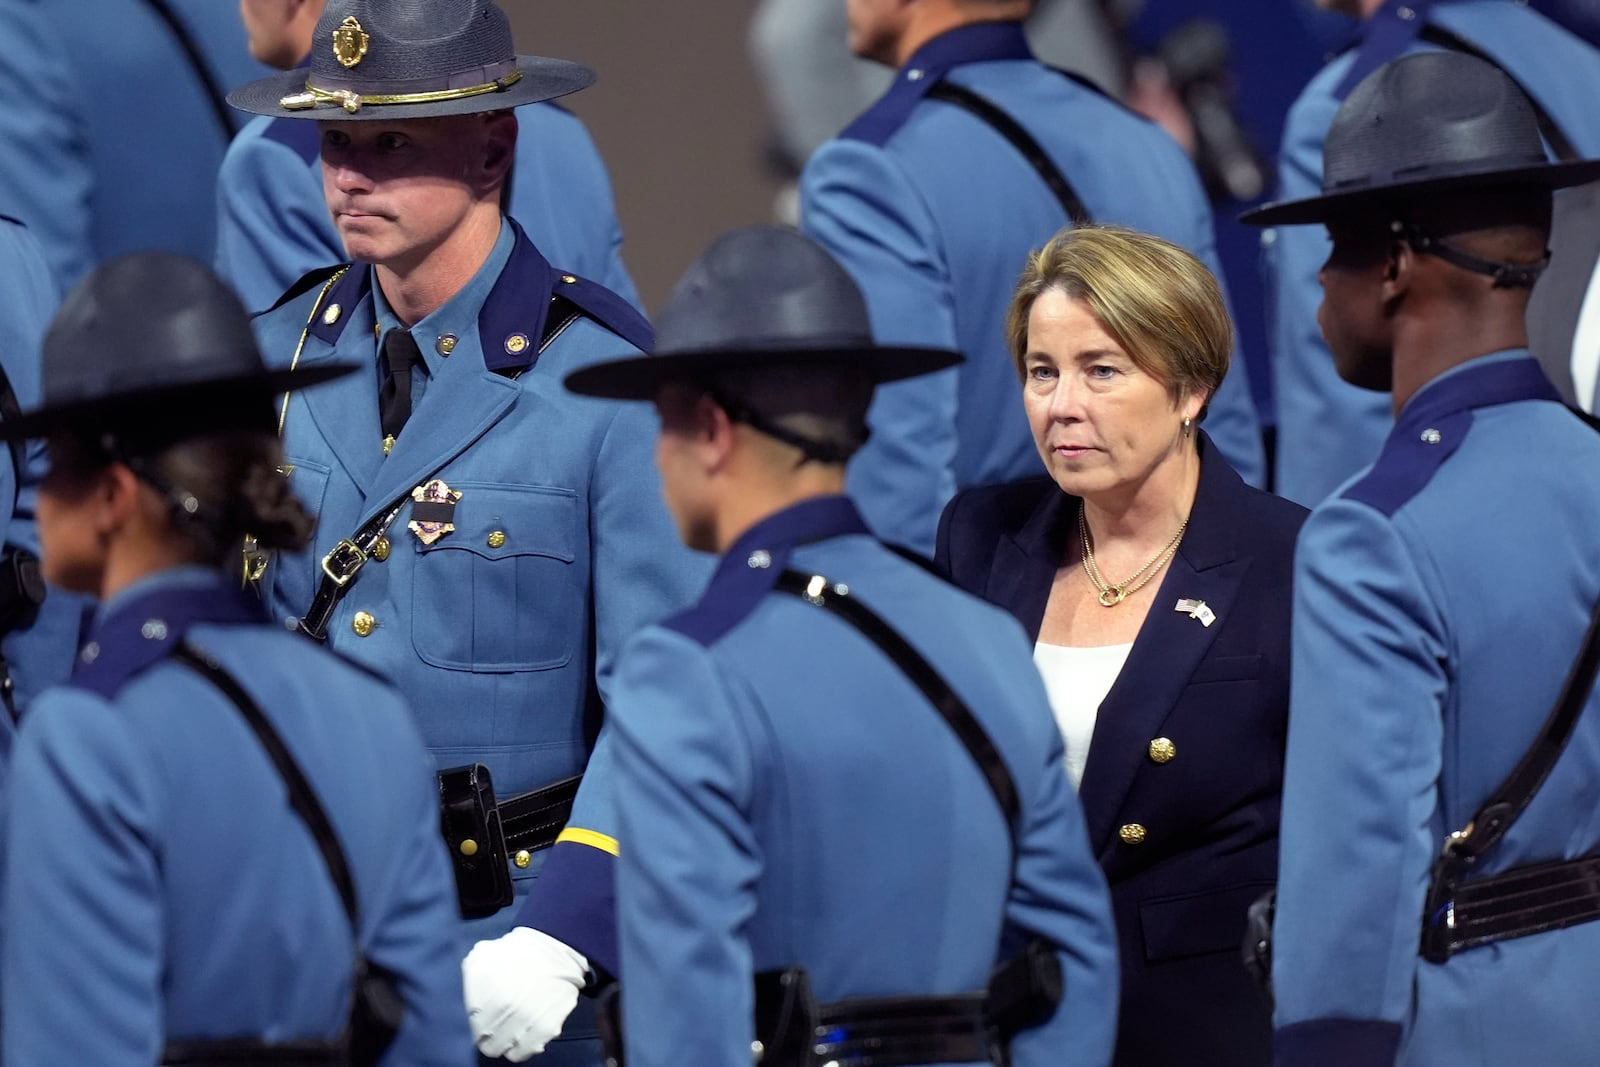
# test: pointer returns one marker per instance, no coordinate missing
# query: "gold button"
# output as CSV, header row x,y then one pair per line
x,y
569,279
1162,750
363,624
522,858
469,847
1132,834
497,539
331,316
380,551
517,343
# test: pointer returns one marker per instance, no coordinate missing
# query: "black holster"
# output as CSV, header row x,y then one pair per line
x,y
22,589
1256,950
470,822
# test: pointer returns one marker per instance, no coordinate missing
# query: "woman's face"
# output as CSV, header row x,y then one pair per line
x,y
72,552
1100,423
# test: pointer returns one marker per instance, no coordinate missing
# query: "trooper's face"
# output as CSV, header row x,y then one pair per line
x,y
278,29
400,190
72,548
875,29
681,465
1352,315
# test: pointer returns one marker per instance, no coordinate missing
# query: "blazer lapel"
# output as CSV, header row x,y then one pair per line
x,y
1025,563
1169,647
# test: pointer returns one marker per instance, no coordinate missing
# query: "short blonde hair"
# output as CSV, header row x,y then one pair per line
x,y
1157,300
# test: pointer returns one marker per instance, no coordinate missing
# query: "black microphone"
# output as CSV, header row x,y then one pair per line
x,y
1197,56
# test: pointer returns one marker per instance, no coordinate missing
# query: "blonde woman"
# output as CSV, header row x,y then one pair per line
x,y
1155,585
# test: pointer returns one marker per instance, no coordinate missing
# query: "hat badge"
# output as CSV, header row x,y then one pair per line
x,y
350,42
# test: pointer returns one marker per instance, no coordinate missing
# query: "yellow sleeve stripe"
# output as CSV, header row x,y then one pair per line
x,y
589,837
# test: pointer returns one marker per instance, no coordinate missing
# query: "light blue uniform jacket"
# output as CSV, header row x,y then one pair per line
x,y
273,224
1327,428
788,797
504,646
934,214
108,141
40,654
1440,599
158,885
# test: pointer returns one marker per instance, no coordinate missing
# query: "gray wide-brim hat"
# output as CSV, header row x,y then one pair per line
x,y
411,59
155,342
761,296
1428,122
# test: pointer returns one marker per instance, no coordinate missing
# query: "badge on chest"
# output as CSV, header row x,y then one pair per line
x,y
433,511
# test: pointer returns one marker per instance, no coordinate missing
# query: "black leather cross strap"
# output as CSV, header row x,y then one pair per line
x,y
1453,904
532,821
1021,140
342,565
836,599
376,1008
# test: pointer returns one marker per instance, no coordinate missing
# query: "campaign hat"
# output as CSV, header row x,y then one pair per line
x,y
156,342
760,296
1430,122
411,59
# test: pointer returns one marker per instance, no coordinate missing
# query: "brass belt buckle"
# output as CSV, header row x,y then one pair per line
x,y
342,563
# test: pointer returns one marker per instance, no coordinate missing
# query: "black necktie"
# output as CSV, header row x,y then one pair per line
x,y
400,354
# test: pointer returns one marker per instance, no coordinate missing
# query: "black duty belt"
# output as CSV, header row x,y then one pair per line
x,y
532,821
902,1031
1517,903
253,1053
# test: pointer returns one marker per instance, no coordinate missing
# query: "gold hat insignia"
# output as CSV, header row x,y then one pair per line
x,y
350,42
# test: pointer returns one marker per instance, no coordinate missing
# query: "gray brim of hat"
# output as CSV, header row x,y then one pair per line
x,y
541,78
1315,209
641,377
201,397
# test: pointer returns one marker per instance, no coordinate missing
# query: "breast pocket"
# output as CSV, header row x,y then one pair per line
x,y
501,592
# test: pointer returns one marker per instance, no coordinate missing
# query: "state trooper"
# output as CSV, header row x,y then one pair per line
x,y
272,220
114,124
39,627
483,539
976,155
880,814
1441,597
218,835
1329,429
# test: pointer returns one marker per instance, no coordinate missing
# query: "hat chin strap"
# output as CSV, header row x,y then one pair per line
x,y
1505,275
820,451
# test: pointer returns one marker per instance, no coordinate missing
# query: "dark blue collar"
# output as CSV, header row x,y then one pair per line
x,y
1387,34
1435,421
978,42
147,626
750,568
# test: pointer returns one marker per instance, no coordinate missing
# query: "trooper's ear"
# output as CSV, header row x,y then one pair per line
x,y
499,146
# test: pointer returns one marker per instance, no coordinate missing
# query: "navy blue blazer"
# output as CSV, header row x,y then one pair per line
x,y
1220,695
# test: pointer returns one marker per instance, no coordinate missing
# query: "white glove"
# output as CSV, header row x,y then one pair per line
x,y
519,989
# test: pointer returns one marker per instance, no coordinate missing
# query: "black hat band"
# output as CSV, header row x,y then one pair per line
x,y
493,78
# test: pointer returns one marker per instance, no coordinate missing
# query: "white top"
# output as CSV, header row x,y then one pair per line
x,y
1077,680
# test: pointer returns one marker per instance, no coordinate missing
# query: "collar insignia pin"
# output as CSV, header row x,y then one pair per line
x,y
350,42
433,511
1196,609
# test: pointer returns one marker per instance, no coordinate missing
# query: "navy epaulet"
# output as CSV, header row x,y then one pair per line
x,y
883,120
1385,36
1409,461
609,310
298,135
733,593
307,282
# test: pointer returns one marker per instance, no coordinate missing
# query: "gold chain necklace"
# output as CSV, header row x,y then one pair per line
x,y
1113,594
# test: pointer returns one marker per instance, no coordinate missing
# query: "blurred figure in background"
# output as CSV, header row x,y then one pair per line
x,y
1328,429
931,199
273,224
114,123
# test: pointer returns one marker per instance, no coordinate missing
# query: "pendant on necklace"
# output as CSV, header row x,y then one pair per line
x,y
1111,596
